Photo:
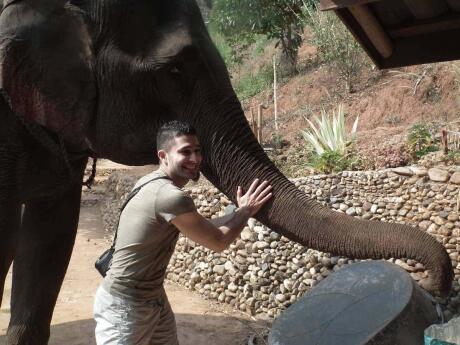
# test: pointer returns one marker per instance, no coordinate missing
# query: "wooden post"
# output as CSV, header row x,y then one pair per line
x,y
458,202
253,121
275,100
444,141
260,122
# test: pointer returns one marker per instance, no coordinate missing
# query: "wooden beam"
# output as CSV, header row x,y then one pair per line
x,y
454,5
326,5
373,29
358,33
429,48
451,23
424,9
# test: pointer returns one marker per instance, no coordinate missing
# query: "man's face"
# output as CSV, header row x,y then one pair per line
x,y
183,159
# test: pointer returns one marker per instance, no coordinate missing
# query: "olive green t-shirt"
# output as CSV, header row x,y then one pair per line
x,y
146,239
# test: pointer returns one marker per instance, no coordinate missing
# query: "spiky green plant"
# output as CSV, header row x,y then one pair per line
x,y
329,133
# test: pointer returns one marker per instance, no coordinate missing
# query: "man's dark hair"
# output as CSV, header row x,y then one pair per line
x,y
171,130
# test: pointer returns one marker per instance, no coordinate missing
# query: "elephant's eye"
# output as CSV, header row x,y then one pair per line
x,y
174,70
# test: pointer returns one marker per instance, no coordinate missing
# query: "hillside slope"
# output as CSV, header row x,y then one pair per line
x,y
388,98
386,101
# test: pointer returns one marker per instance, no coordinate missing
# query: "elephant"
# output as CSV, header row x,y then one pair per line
x,y
97,78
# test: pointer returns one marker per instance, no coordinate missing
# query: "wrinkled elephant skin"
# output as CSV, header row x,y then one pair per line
x,y
98,77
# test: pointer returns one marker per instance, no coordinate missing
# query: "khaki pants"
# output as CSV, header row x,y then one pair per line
x,y
123,322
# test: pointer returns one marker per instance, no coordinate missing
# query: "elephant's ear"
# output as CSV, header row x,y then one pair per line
x,y
46,66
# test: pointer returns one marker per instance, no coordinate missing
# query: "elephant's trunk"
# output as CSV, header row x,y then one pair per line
x,y
233,157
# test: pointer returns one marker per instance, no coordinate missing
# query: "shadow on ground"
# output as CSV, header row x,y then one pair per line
x,y
192,330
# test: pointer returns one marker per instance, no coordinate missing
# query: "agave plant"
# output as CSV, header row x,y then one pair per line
x,y
329,133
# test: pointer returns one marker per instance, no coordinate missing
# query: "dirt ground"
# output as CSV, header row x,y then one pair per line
x,y
383,99
199,321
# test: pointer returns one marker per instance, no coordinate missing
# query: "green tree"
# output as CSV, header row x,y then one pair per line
x,y
335,44
205,7
277,19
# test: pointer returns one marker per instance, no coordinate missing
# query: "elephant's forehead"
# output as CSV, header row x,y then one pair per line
x,y
173,41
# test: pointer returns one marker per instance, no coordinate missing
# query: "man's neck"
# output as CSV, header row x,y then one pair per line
x,y
178,181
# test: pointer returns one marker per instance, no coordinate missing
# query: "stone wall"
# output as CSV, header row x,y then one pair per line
x,y
263,272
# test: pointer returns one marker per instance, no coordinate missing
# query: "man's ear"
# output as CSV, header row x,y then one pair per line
x,y
46,66
162,155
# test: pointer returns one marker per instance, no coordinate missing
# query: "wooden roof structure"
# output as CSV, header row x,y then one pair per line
x,y
398,33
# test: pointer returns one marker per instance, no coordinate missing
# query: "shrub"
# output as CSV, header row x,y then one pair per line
x,y
333,161
330,142
330,133
222,46
453,157
392,157
277,142
420,140
251,84
335,43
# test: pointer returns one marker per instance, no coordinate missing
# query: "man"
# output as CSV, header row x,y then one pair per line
x,y
131,307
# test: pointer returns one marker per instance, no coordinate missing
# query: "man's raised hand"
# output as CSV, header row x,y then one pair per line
x,y
256,196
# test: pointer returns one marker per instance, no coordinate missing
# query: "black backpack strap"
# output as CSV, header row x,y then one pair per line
x,y
130,196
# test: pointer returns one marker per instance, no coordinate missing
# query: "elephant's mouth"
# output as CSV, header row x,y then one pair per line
x,y
131,158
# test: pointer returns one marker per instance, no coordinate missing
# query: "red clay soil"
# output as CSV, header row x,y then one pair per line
x,y
389,100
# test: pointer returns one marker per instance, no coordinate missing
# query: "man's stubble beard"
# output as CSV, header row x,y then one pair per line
x,y
197,177
187,176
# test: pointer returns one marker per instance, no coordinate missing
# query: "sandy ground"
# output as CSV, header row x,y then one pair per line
x,y
199,321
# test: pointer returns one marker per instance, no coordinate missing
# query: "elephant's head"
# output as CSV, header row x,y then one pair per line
x,y
104,74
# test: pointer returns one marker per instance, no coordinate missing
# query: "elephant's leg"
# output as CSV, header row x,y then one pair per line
x,y
9,226
45,245
9,211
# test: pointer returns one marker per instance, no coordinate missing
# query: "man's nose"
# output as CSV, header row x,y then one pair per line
x,y
195,157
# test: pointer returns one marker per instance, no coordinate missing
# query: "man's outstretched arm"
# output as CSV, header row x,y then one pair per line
x,y
220,232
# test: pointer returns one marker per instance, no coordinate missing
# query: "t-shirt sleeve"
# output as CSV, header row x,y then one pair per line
x,y
172,202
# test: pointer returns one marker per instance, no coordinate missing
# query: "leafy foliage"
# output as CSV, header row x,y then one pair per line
x,y
222,45
253,83
453,157
420,140
335,43
330,161
240,20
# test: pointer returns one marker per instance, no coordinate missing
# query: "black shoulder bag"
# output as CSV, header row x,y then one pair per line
x,y
104,262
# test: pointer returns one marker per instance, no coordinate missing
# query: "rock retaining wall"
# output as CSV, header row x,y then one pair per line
x,y
263,272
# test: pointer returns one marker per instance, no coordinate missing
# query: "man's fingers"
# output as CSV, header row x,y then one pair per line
x,y
261,187
266,198
263,193
253,186
239,192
